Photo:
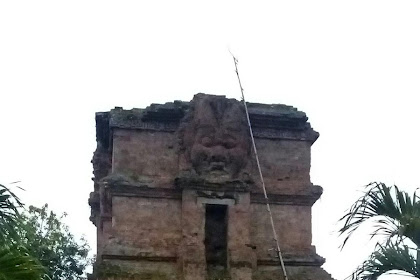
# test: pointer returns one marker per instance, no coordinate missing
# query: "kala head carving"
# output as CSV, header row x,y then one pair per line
x,y
215,138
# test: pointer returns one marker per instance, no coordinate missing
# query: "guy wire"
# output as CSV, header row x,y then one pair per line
x,y
260,172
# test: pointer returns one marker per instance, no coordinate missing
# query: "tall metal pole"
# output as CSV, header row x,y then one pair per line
x,y
279,255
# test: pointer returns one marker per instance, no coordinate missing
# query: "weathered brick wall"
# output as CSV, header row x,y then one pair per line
x,y
293,226
293,272
145,156
145,227
138,270
285,165
156,169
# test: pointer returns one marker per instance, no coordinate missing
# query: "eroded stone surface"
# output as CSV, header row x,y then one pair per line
x,y
156,170
214,136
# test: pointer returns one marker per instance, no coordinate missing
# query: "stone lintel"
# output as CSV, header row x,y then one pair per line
x,y
196,183
216,201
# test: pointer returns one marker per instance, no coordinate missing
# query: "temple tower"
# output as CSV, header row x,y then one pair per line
x,y
177,194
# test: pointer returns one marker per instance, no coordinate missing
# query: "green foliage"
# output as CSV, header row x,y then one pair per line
x,y
36,245
45,235
393,212
9,214
392,258
15,262
395,215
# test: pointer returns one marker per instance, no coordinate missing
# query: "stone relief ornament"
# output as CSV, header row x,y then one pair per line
x,y
214,138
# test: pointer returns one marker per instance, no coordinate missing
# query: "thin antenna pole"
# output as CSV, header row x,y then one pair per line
x,y
260,172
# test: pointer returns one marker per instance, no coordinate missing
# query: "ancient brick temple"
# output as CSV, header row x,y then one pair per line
x,y
177,193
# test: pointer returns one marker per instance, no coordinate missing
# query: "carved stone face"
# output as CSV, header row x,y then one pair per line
x,y
216,137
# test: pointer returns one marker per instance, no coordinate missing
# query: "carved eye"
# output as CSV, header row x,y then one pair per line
x,y
229,144
207,141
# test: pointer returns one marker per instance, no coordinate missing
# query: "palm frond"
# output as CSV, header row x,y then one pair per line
x,y
16,264
392,212
391,259
9,213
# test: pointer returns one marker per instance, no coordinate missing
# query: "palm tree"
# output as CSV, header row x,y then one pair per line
x,y
15,262
9,214
395,215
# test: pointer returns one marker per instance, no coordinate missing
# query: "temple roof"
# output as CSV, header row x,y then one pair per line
x,y
275,121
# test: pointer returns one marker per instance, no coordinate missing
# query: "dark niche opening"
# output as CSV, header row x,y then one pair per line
x,y
216,238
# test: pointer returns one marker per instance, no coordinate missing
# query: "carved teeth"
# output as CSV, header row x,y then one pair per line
x,y
217,165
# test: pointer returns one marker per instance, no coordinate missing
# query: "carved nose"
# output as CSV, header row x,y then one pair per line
x,y
217,154
217,157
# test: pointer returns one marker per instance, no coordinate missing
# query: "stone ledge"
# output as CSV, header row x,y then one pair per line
x,y
175,193
307,198
294,272
284,199
289,260
294,260
144,191
140,258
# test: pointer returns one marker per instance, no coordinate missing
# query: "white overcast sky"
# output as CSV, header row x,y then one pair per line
x,y
352,66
